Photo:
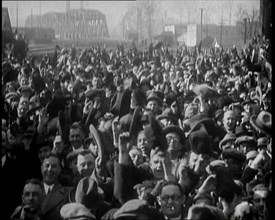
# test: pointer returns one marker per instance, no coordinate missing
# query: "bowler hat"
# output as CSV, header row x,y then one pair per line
x,y
76,210
262,122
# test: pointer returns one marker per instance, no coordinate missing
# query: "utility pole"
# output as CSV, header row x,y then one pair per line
x,y
201,22
221,30
40,14
17,15
31,18
245,29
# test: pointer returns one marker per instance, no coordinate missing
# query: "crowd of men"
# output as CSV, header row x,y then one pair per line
x,y
130,134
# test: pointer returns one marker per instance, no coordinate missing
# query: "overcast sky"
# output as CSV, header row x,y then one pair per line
x,y
177,10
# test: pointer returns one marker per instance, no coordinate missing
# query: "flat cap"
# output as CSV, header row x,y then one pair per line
x,y
75,211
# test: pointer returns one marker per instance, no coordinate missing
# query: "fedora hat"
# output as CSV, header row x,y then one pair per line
x,y
234,154
262,122
95,135
199,118
177,130
246,139
89,193
154,96
92,93
228,137
200,141
167,114
154,131
136,124
205,91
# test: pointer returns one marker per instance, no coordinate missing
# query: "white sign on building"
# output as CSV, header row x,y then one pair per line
x,y
170,28
191,36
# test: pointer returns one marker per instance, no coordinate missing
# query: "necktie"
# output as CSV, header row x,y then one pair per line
x,y
49,190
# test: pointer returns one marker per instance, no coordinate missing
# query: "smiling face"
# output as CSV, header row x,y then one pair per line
x,y
50,170
230,121
85,164
76,138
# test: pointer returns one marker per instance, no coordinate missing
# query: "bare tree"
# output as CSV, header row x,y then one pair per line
x,y
143,18
249,18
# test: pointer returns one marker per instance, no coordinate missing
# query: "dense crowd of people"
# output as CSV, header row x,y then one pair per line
x,y
129,134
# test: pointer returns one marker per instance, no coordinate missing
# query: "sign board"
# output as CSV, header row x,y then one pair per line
x,y
191,36
170,28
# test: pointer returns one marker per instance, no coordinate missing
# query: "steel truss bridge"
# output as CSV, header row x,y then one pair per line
x,y
74,24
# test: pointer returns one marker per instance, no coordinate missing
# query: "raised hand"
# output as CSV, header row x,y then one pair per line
x,y
124,146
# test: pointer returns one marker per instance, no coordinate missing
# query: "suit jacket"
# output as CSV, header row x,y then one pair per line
x,y
54,201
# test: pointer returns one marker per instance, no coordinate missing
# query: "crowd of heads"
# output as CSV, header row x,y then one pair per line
x,y
196,122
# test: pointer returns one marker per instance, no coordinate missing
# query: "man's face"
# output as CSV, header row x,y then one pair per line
x,y
43,151
173,141
32,196
156,165
50,170
153,106
229,121
136,156
259,203
96,82
76,138
142,144
170,201
93,147
85,165
24,81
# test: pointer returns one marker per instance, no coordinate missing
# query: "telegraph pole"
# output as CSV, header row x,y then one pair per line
x,y
17,15
201,22
245,26
221,30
